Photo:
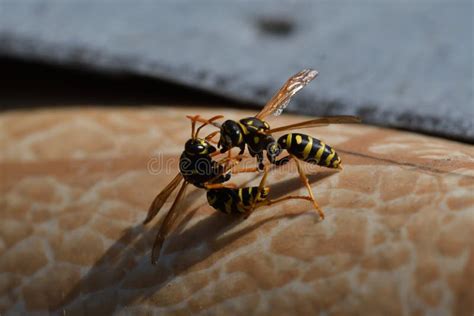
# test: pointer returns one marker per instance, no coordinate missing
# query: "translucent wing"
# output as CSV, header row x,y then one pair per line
x,y
280,100
161,198
166,225
320,121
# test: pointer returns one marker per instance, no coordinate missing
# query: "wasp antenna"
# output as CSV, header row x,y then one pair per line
x,y
193,127
211,136
193,124
209,121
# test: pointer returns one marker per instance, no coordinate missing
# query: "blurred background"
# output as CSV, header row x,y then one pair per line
x,y
403,64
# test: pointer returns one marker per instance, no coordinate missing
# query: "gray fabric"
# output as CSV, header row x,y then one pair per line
x,y
406,64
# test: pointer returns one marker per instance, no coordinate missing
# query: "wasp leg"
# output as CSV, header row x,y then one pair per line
x,y
259,156
243,170
261,186
283,161
304,179
242,148
237,158
286,198
220,186
229,159
225,171
226,175
290,197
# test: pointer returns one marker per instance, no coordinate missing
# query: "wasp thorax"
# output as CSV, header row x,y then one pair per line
x,y
198,147
231,134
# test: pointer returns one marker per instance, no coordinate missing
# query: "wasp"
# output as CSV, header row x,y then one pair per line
x,y
196,166
244,200
255,134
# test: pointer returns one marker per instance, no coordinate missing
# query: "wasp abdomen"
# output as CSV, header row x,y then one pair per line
x,y
236,201
310,150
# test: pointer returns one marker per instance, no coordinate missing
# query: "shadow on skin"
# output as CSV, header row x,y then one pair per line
x,y
285,187
129,257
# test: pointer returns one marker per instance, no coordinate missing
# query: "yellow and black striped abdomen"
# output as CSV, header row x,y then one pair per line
x,y
235,201
310,149
249,195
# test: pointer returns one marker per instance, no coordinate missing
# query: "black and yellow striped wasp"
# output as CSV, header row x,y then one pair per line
x,y
255,134
244,200
196,166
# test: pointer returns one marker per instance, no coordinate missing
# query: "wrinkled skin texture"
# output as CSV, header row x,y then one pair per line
x,y
76,184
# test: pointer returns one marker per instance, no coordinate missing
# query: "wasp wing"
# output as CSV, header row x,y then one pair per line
x,y
280,100
320,121
166,225
161,198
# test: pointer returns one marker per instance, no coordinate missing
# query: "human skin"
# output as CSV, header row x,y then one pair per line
x,y
76,185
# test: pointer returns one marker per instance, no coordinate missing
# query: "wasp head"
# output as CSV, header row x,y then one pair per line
x,y
231,135
199,146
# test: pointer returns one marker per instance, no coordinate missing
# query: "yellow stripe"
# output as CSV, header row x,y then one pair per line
x,y
307,148
251,196
244,128
263,194
331,155
240,138
320,151
299,139
288,141
254,128
240,194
